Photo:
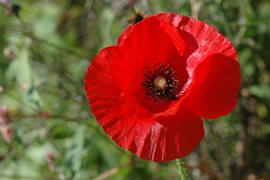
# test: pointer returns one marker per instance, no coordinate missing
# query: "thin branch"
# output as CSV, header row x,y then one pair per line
x,y
7,158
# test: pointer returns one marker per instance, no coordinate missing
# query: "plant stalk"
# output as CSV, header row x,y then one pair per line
x,y
181,169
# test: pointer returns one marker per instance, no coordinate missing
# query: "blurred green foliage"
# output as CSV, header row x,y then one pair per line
x,y
47,48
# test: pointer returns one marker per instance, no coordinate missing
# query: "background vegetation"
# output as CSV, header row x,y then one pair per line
x,y
47,129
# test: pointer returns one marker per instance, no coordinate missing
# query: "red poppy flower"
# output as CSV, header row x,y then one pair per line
x,y
150,91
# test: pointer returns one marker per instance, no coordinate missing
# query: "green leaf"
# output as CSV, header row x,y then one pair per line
x,y
74,153
260,91
20,70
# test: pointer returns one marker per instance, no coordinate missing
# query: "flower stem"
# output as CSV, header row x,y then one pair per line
x,y
181,169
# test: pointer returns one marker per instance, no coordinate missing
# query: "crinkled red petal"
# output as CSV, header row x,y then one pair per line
x,y
144,137
175,142
101,91
144,45
197,34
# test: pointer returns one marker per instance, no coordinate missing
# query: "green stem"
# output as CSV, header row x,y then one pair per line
x,y
181,169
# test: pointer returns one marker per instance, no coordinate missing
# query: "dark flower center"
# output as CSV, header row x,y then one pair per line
x,y
160,83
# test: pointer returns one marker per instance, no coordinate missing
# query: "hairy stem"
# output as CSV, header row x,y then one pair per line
x,y
181,169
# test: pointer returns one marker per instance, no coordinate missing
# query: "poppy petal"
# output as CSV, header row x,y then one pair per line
x,y
149,139
99,86
185,124
169,137
161,144
144,46
197,34
214,88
